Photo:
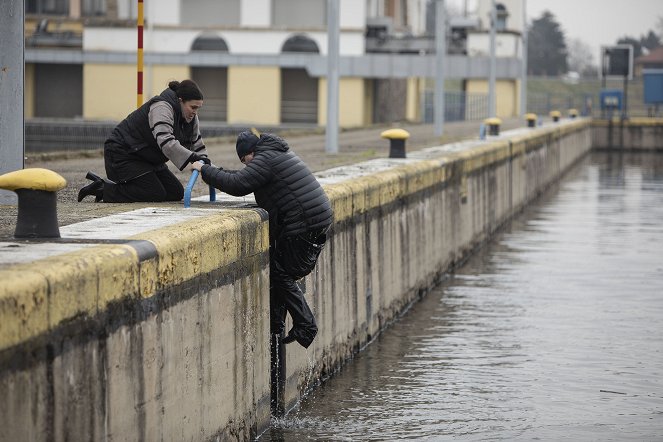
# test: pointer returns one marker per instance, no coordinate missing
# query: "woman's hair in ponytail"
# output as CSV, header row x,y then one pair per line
x,y
186,90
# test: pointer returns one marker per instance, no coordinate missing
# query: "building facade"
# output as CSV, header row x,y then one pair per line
x,y
258,62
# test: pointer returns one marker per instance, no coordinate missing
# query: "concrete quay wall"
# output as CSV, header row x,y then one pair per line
x,y
165,334
162,337
401,224
631,134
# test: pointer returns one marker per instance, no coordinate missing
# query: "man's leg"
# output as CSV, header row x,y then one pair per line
x,y
287,291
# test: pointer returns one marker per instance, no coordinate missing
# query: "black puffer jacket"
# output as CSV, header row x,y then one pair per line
x,y
282,184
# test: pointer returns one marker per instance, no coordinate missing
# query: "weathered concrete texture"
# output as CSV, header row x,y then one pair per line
x,y
116,342
165,336
402,224
634,133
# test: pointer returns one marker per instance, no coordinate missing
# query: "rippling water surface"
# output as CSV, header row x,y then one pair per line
x,y
554,331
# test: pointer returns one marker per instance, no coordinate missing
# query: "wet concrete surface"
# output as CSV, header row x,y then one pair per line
x,y
354,146
551,332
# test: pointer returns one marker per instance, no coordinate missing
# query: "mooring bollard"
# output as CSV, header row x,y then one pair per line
x,y
396,139
573,113
37,201
531,119
555,115
493,125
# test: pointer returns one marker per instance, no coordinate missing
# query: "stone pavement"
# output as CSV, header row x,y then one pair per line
x,y
354,146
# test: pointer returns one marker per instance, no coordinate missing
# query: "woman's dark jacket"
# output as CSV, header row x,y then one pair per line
x,y
134,135
282,184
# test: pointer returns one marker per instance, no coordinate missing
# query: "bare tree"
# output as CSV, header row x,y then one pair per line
x,y
659,27
580,58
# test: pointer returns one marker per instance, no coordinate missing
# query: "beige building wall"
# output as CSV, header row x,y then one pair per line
x,y
254,95
157,78
506,95
413,100
109,91
29,91
352,96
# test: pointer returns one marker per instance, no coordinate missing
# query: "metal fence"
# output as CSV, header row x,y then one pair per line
x,y
47,135
586,98
544,103
458,106
54,135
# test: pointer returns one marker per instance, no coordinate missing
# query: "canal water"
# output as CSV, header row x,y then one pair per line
x,y
554,331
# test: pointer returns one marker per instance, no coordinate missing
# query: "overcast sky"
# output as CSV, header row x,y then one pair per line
x,y
596,22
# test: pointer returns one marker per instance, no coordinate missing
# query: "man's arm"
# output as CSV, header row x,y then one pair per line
x,y
255,175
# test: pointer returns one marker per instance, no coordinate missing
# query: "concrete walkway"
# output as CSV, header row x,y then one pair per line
x,y
354,146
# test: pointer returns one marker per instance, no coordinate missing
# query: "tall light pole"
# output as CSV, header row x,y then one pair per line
x,y
491,83
440,55
11,92
139,55
331,132
523,79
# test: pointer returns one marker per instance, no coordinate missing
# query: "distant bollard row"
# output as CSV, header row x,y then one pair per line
x,y
491,126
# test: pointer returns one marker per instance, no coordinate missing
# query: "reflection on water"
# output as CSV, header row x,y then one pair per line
x,y
554,331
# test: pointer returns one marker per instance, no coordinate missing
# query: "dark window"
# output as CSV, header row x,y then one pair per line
x,y
51,7
92,8
300,43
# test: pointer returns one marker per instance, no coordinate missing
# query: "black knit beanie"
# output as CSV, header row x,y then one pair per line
x,y
246,143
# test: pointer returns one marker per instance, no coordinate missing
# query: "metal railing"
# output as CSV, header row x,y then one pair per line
x,y
45,135
458,106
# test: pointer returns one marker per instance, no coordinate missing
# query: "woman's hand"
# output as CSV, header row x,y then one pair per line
x,y
197,166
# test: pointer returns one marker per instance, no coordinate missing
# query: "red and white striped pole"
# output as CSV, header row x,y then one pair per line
x,y
139,61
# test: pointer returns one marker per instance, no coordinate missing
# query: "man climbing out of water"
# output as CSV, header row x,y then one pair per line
x,y
299,217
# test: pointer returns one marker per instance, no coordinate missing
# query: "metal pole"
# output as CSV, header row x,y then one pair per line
x,y
139,56
440,55
11,92
523,80
333,32
491,84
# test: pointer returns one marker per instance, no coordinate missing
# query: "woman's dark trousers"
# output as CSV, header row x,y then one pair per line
x,y
136,180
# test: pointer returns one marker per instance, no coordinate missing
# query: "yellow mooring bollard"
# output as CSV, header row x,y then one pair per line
x,y
531,119
573,113
396,139
493,125
37,202
555,115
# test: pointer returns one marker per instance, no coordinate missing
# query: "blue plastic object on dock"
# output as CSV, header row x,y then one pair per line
x,y
189,187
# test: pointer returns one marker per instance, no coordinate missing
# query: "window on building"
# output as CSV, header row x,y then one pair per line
x,y
300,14
300,43
502,14
50,7
91,8
210,12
